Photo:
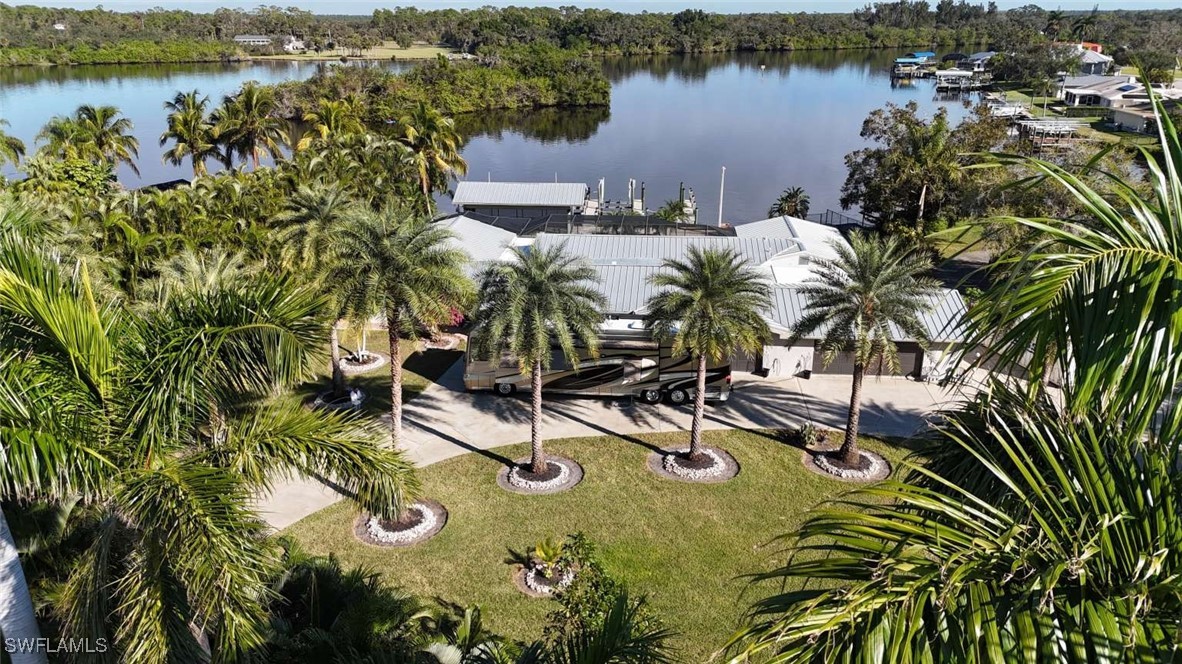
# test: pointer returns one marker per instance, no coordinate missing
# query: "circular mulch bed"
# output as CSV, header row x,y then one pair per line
x,y
446,342
561,475
422,510
347,402
351,367
660,462
821,461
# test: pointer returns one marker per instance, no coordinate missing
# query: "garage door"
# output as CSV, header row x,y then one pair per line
x,y
910,361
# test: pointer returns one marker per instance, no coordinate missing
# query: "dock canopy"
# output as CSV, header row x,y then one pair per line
x,y
521,194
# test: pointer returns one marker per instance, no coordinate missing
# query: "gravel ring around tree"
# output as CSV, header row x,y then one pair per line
x,y
361,530
357,369
656,465
808,458
574,477
519,583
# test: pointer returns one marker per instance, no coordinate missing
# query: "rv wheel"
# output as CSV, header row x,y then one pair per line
x,y
505,389
650,396
678,397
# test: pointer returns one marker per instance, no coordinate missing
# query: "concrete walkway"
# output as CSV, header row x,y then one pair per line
x,y
445,421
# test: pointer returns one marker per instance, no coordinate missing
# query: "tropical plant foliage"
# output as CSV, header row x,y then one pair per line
x,y
1040,526
157,418
540,303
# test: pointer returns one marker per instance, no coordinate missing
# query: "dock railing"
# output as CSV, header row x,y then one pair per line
x,y
835,218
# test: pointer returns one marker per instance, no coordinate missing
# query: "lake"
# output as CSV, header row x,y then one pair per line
x,y
774,120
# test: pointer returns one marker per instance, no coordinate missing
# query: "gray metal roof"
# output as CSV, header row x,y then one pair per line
x,y
654,249
482,243
943,320
523,194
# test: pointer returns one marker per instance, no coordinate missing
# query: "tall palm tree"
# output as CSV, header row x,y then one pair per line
x,y
397,264
192,132
156,419
435,149
793,202
541,299
711,304
332,118
856,298
306,231
108,134
11,147
247,123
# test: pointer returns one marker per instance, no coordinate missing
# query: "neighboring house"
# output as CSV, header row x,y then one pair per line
x,y
1092,62
976,62
59,26
785,250
293,45
520,199
1097,90
252,40
1140,117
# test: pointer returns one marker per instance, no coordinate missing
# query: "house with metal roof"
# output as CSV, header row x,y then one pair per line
x,y
1091,62
252,40
976,62
785,250
1097,90
520,199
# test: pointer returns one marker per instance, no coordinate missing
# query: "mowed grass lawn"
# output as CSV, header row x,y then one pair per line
x,y
684,545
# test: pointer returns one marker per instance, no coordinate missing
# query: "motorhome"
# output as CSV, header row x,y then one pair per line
x,y
628,362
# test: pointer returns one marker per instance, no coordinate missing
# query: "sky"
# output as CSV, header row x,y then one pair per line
x,y
723,6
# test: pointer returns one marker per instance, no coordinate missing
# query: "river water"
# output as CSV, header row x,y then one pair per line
x,y
774,120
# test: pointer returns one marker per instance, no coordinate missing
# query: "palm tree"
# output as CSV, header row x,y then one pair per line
x,y
1054,25
1051,301
108,134
1034,537
332,118
544,297
192,132
711,304
672,210
247,123
793,202
156,419
63,138
397,264
11,147
435,149
856,298
306,230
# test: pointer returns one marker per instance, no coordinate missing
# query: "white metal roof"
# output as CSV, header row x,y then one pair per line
x,y
522,194
813,238
943,321
654,249
483,243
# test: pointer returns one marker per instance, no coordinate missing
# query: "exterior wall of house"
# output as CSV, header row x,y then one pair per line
x,y
787,361
1129,120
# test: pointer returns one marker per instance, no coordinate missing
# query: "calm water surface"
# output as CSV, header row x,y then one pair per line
x,y
773,120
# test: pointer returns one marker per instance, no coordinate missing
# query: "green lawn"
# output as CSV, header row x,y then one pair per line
x,y
684,545
419,369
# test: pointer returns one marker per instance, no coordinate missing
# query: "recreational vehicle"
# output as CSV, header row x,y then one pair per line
x,y
629,362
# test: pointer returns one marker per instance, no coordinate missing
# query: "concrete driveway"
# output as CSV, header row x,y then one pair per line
x,y
445,421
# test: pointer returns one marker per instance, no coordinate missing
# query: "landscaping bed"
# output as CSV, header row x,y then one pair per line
x,y
685,545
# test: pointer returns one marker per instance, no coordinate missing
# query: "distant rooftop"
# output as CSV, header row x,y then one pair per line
x,y
522,194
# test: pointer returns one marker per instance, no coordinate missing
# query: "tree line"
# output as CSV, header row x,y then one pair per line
x,y
101,35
